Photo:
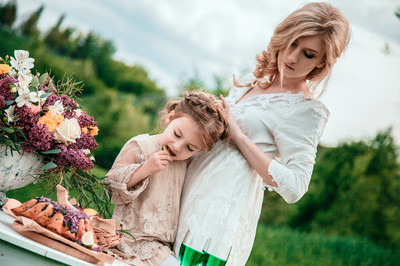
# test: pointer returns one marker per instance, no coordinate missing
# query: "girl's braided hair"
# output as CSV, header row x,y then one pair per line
x,y
206,110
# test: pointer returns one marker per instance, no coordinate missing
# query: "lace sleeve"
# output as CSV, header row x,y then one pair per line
x,y
297,139
126,163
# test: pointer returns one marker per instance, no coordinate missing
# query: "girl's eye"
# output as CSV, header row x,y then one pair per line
x,y
176,134
189,148
308,55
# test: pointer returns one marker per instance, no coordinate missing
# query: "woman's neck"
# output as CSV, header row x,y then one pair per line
x,y
289,85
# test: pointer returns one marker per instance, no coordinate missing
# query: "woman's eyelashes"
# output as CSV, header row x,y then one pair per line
x,y
309,56
177,135
189,148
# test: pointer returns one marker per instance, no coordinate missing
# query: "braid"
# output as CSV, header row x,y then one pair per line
x,y
207,111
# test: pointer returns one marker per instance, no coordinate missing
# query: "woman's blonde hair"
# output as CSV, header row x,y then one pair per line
x,y
206,110
318,19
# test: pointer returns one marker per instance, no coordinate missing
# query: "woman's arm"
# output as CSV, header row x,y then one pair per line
x,y
296,138
253,154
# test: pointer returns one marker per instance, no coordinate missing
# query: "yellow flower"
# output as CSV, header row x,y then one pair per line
x,y
5,69
85,130
52,121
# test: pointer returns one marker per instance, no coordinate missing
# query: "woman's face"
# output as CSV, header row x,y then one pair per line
x,y
181,138
302,56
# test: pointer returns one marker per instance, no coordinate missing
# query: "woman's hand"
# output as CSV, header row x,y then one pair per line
x,y
234,130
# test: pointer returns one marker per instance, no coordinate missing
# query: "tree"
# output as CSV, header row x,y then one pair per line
x,y
29,27
8,13
355,190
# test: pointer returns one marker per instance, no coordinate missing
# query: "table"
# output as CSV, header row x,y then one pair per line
x,y
16,249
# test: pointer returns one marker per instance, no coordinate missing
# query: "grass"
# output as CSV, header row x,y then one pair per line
x,y
283,246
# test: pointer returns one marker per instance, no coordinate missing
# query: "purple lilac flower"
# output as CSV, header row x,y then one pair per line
x,y
2,102
86,120
70,114
85,141
39,139
26,118
68,102
5,90
51,100
76,158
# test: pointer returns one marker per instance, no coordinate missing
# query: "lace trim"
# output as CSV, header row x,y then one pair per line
x,y
263,100
141,249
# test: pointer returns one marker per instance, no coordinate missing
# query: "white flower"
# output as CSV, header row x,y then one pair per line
x,y
26,97
24,81
57,108
78,112
10,114
22,62
68,131
88,153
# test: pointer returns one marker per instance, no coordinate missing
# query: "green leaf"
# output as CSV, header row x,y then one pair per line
x,y
35,81
43,78
49,165
126,232
54,151
7,129
45,95
9,102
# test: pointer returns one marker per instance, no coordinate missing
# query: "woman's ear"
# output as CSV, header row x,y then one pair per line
x,y
170,117
320,65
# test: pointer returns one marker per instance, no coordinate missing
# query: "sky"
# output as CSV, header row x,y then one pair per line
x,y
176,40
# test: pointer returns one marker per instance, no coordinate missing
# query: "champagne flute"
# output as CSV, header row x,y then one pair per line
x,y
217,254
191,252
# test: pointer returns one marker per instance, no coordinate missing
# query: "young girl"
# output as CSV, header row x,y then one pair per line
x,y
147,176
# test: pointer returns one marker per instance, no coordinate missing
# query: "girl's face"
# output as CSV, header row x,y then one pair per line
x,y
182,138
302,56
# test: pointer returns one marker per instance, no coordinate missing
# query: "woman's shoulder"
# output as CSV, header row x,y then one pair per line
x,y
310,107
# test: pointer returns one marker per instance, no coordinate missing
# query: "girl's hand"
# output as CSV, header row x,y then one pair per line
x,y
235,131
157,162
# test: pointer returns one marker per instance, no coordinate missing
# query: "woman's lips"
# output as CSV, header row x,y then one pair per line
x,y
170,152
288,67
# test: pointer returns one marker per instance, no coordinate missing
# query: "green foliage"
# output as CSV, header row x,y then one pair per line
x,y
118,121
8,12
284,246
96,197
29,26
355,190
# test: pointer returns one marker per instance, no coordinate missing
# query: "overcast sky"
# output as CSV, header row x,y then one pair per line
x,y
177,39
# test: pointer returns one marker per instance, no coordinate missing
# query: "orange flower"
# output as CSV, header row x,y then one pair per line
x,y
85,130
52,121
93,130
5,69
35,109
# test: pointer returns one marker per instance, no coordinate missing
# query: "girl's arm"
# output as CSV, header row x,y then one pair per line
x,y
156,162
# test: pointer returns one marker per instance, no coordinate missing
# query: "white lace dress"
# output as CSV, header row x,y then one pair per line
x,y
222,194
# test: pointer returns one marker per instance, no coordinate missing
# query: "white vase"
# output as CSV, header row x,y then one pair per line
x,y
17,170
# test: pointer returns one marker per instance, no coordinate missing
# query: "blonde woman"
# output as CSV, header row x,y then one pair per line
x,y
275,122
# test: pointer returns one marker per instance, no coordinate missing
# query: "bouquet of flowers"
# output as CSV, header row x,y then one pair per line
x,y
38,116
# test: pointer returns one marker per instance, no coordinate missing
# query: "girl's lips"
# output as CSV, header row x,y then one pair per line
x,y
170,152
288,67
